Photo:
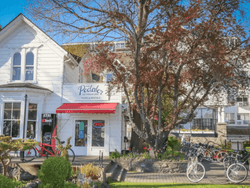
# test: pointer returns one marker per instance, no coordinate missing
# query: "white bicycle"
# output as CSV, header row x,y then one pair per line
x,y
195,170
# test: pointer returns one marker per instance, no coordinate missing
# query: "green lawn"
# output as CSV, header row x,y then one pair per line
x,y
168,185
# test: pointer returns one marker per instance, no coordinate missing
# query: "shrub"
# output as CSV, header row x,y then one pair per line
x,y
172,145
115,155
146,155
90,171
9,183
54,171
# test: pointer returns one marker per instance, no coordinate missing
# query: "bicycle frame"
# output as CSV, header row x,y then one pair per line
x,y
42,146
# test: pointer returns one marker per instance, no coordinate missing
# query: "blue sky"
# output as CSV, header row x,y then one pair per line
x,y
9,9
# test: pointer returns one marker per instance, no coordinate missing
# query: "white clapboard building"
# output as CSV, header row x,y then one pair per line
x,y
41,86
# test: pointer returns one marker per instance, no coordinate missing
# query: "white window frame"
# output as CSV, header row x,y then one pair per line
x,y
21,116
27,116
23,53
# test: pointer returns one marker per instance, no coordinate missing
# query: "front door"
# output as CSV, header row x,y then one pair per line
x,y
81,137
98,136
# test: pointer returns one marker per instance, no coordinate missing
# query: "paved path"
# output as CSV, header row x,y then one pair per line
x,y
214,175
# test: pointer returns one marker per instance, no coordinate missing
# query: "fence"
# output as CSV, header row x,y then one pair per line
x,y
199,125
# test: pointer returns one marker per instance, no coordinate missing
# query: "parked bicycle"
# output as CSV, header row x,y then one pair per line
x,y
238,171
45,150
195,170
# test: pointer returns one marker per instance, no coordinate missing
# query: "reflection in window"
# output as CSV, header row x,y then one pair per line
x,y
29,66
81,130
16,74
11,122
31,124
98,133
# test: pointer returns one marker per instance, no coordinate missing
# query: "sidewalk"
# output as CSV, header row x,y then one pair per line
x,y
214,175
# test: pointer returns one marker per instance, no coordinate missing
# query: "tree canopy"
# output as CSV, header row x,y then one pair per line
x,y
180,51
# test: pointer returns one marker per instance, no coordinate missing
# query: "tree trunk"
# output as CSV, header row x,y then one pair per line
x,y
5,166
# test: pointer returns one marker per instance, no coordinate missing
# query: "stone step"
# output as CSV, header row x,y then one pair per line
x,y
111,170
116,173
108,166
122,175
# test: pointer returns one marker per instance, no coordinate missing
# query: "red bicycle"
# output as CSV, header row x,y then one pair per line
x,y
46,150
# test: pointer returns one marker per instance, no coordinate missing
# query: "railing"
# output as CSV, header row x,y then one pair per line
x,y
238,130
100,159
199,125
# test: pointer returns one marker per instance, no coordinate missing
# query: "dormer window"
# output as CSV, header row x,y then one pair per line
x,y
23,66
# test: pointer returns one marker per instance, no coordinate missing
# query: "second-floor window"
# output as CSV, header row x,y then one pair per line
x,y
229,118
16,67
23,68
29,66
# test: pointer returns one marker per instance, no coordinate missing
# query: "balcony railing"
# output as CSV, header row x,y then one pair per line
x,y
199,125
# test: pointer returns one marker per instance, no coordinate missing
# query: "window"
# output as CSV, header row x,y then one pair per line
x,y
108,77
16,67
23,69
243,117
11,122
229,118
32,119
29,66
81,129
98,133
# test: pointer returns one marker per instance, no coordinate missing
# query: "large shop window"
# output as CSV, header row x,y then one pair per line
x,y
81,129
11,122
32,119
98,133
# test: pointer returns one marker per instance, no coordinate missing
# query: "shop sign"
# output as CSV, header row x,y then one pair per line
x,y
91,91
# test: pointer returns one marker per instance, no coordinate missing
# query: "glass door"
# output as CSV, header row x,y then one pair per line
x,y
81,137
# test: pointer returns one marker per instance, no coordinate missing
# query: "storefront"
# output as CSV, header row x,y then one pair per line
x,y
92,118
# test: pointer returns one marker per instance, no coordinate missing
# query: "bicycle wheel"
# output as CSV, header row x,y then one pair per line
x,y
237,173
29,155
71,155
196,172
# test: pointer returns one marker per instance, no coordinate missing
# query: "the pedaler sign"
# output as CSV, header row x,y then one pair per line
x,y
91,91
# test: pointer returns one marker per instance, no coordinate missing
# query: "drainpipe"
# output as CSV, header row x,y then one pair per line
x,y
24,119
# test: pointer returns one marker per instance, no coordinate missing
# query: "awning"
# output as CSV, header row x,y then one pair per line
x,y
89,108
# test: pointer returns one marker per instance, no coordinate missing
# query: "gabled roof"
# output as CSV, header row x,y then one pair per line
x,y
21,18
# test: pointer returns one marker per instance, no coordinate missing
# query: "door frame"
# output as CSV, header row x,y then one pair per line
x,y
88,134
92,150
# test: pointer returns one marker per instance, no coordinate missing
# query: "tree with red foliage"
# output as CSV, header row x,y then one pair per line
x,y
181,52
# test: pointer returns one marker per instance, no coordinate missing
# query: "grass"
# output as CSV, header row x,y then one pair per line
x,y
168,185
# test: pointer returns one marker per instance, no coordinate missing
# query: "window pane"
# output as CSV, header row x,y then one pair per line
x,y
17,59
16,110
32,114
16,129
31,130
81,130
7,110
95,77
98,133
16,73
7,128
109,77
30,59
29,73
